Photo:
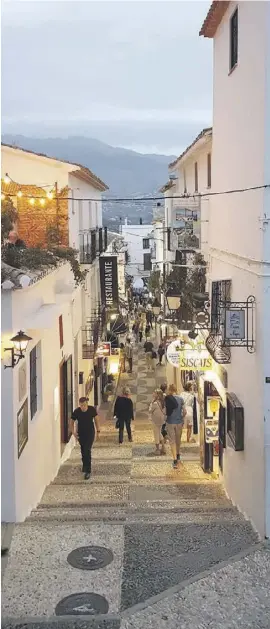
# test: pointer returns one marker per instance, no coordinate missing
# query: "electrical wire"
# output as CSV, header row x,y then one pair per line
x,y
196,195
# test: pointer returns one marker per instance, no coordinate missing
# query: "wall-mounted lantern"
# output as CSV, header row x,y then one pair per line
x,y
156,307
173,299
20,342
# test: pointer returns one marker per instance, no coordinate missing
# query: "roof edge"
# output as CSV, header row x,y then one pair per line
x,y
214,16
92,178
204,133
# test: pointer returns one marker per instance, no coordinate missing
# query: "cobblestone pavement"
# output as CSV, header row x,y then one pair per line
x,y
180,553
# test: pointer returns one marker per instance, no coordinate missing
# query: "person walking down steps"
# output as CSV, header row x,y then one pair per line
x,y
175,411
129,355
149,348
85,423
124,413
157,413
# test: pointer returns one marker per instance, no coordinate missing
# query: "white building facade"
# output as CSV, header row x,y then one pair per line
x,y
239,234
138,239
191,173
61,318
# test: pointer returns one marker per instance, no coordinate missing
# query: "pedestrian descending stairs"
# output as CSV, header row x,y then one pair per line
x,y
161,527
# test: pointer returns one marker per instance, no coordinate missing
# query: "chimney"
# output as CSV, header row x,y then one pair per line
x,y
140,221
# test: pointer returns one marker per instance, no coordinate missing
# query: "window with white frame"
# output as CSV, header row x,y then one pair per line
x,y
146,243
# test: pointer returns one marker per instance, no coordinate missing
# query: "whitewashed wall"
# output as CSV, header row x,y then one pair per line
x,y
83,215
239,249
133,235
38,464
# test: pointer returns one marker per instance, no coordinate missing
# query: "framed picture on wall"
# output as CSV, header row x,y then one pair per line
x,y
22,427
22,381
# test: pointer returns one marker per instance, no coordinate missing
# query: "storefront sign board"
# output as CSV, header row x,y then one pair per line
x,y
235,324
211,430
188,359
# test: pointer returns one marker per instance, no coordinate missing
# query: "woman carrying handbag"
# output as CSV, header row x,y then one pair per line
x,y
158,417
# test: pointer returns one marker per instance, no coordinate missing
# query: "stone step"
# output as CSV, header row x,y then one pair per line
x,y
62,622
202,516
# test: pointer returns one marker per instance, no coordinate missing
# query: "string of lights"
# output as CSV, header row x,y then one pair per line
x,y
196,195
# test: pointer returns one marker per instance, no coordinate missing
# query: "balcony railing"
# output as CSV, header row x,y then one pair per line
x,y
92,243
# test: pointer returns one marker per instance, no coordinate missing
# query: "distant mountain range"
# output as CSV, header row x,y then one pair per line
x,y
126,173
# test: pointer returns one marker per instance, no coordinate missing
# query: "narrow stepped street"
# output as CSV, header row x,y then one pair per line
x,y
160,548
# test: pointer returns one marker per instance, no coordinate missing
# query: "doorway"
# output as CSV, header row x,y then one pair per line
x,y
222,434
66,399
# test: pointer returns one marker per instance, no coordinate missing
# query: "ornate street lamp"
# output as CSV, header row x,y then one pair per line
x,y
20,342
156,307
173,299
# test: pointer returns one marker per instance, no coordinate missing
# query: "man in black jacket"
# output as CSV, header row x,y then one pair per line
x,y
148,348
123,410
85,423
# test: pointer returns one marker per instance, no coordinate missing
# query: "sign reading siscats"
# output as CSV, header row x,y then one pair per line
x,y
187,358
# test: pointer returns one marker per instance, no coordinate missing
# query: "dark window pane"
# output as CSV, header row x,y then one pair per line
x,y
33,382
209,170
196,177
234,40
147,265
146,243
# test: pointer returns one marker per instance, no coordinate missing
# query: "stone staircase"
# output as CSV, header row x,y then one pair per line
x,y
162,526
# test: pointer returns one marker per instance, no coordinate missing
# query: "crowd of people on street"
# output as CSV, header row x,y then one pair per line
x,y
169,411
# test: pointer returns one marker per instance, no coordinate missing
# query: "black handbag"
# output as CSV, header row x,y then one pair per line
x,y
163,430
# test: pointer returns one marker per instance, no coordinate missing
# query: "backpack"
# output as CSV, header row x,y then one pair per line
x,y
171,404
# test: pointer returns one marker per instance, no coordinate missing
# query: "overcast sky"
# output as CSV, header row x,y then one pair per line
x,y
133,74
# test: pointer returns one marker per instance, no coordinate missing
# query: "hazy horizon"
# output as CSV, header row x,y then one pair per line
x,y
114,71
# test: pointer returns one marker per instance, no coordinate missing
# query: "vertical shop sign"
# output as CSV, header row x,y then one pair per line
x,y
108,281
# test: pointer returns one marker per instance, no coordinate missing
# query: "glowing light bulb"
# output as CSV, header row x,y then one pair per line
x,y
49,195
42,201
32,201
19,194
3,196
7,179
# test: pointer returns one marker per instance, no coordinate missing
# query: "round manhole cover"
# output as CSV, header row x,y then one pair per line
x,y
82,604
90,557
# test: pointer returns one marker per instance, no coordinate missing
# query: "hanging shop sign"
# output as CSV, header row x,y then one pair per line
x,y
103,350
235,324
188,358
211,430
109,281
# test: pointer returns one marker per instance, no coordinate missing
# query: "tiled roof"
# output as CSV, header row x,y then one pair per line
x,y
204,132
167,186
81,171
214,16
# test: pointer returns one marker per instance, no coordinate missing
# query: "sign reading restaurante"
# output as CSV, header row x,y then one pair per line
x,y
108,281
